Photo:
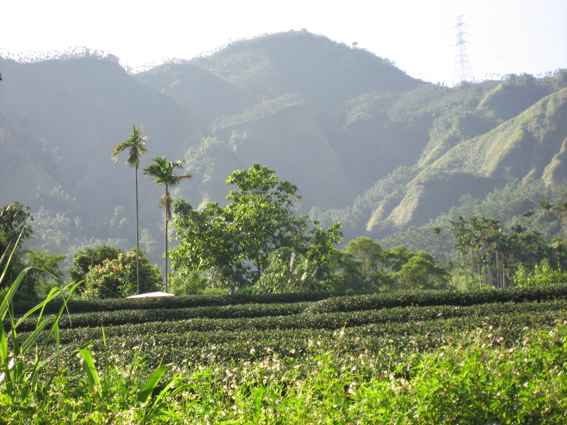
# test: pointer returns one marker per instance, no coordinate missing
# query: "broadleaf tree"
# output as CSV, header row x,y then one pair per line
x,y
88,258
234,243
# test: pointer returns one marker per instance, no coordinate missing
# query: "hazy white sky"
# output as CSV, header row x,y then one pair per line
x,y
504,36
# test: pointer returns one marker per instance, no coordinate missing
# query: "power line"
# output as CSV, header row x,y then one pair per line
x,y
500,58
509,53
514,47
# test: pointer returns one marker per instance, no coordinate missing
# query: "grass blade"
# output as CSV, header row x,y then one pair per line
x,y
90,368
147,390
4,307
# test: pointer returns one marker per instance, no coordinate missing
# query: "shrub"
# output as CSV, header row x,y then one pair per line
x,y
117,278
542,275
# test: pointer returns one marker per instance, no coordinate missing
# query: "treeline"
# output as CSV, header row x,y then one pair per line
x,y
257,245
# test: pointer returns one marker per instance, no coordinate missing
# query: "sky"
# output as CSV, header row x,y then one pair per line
x,y
501,36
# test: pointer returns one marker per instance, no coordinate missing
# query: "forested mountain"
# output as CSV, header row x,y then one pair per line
x,y
366,144
59,120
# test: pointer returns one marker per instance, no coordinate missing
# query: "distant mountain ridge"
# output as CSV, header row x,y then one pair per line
x,y
366,144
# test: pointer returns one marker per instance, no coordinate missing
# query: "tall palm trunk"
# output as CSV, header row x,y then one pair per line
x,y
137,239
135,144
472,267
165,270
166,207
464,257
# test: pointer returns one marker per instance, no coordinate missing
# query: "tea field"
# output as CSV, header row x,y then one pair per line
x,y
490,356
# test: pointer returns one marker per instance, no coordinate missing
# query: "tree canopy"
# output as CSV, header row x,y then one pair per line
x,y
234,243
88,258
109,272
45,270
116,278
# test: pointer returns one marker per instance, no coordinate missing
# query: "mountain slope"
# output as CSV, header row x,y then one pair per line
x,y
521,147
59,121
284,100
84,107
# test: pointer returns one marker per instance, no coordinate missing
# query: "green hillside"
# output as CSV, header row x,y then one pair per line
x,y
286,100
321,70
521,147
470,149
59,120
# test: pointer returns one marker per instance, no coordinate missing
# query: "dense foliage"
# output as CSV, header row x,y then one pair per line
x,y
13,219
108,272
15,229
233,244
89,257
116,278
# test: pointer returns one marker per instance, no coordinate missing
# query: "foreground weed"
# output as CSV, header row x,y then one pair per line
x,y
24,368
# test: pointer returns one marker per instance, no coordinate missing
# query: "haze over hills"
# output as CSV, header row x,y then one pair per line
x,y
366,144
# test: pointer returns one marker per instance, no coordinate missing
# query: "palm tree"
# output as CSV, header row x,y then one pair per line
x,y
546,207
163,174
135,144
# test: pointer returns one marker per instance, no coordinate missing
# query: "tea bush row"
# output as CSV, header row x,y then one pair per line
x,y
154,303
330,321
120,317
115,318
431,298
390,342
324,302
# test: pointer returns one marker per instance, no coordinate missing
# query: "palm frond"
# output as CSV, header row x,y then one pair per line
x,y
179,179
136,145
162,172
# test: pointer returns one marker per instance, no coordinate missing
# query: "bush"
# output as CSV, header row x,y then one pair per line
x,y
87,258
542,275
192,283
117,278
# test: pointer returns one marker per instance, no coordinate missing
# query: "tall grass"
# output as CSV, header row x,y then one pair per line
x,y
34,371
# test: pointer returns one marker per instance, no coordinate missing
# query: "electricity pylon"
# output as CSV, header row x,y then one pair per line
x,y
463,70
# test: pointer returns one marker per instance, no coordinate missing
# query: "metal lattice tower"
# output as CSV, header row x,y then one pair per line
x,y
463,70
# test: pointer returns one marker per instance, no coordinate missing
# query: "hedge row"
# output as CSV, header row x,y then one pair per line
x,y
324,302
433,298
121,317
314,322
385,343
154,303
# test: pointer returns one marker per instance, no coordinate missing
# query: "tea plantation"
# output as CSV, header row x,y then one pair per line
x,y
490,356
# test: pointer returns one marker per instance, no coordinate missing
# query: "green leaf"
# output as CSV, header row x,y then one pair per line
x,y
148,388
3,345
90,368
